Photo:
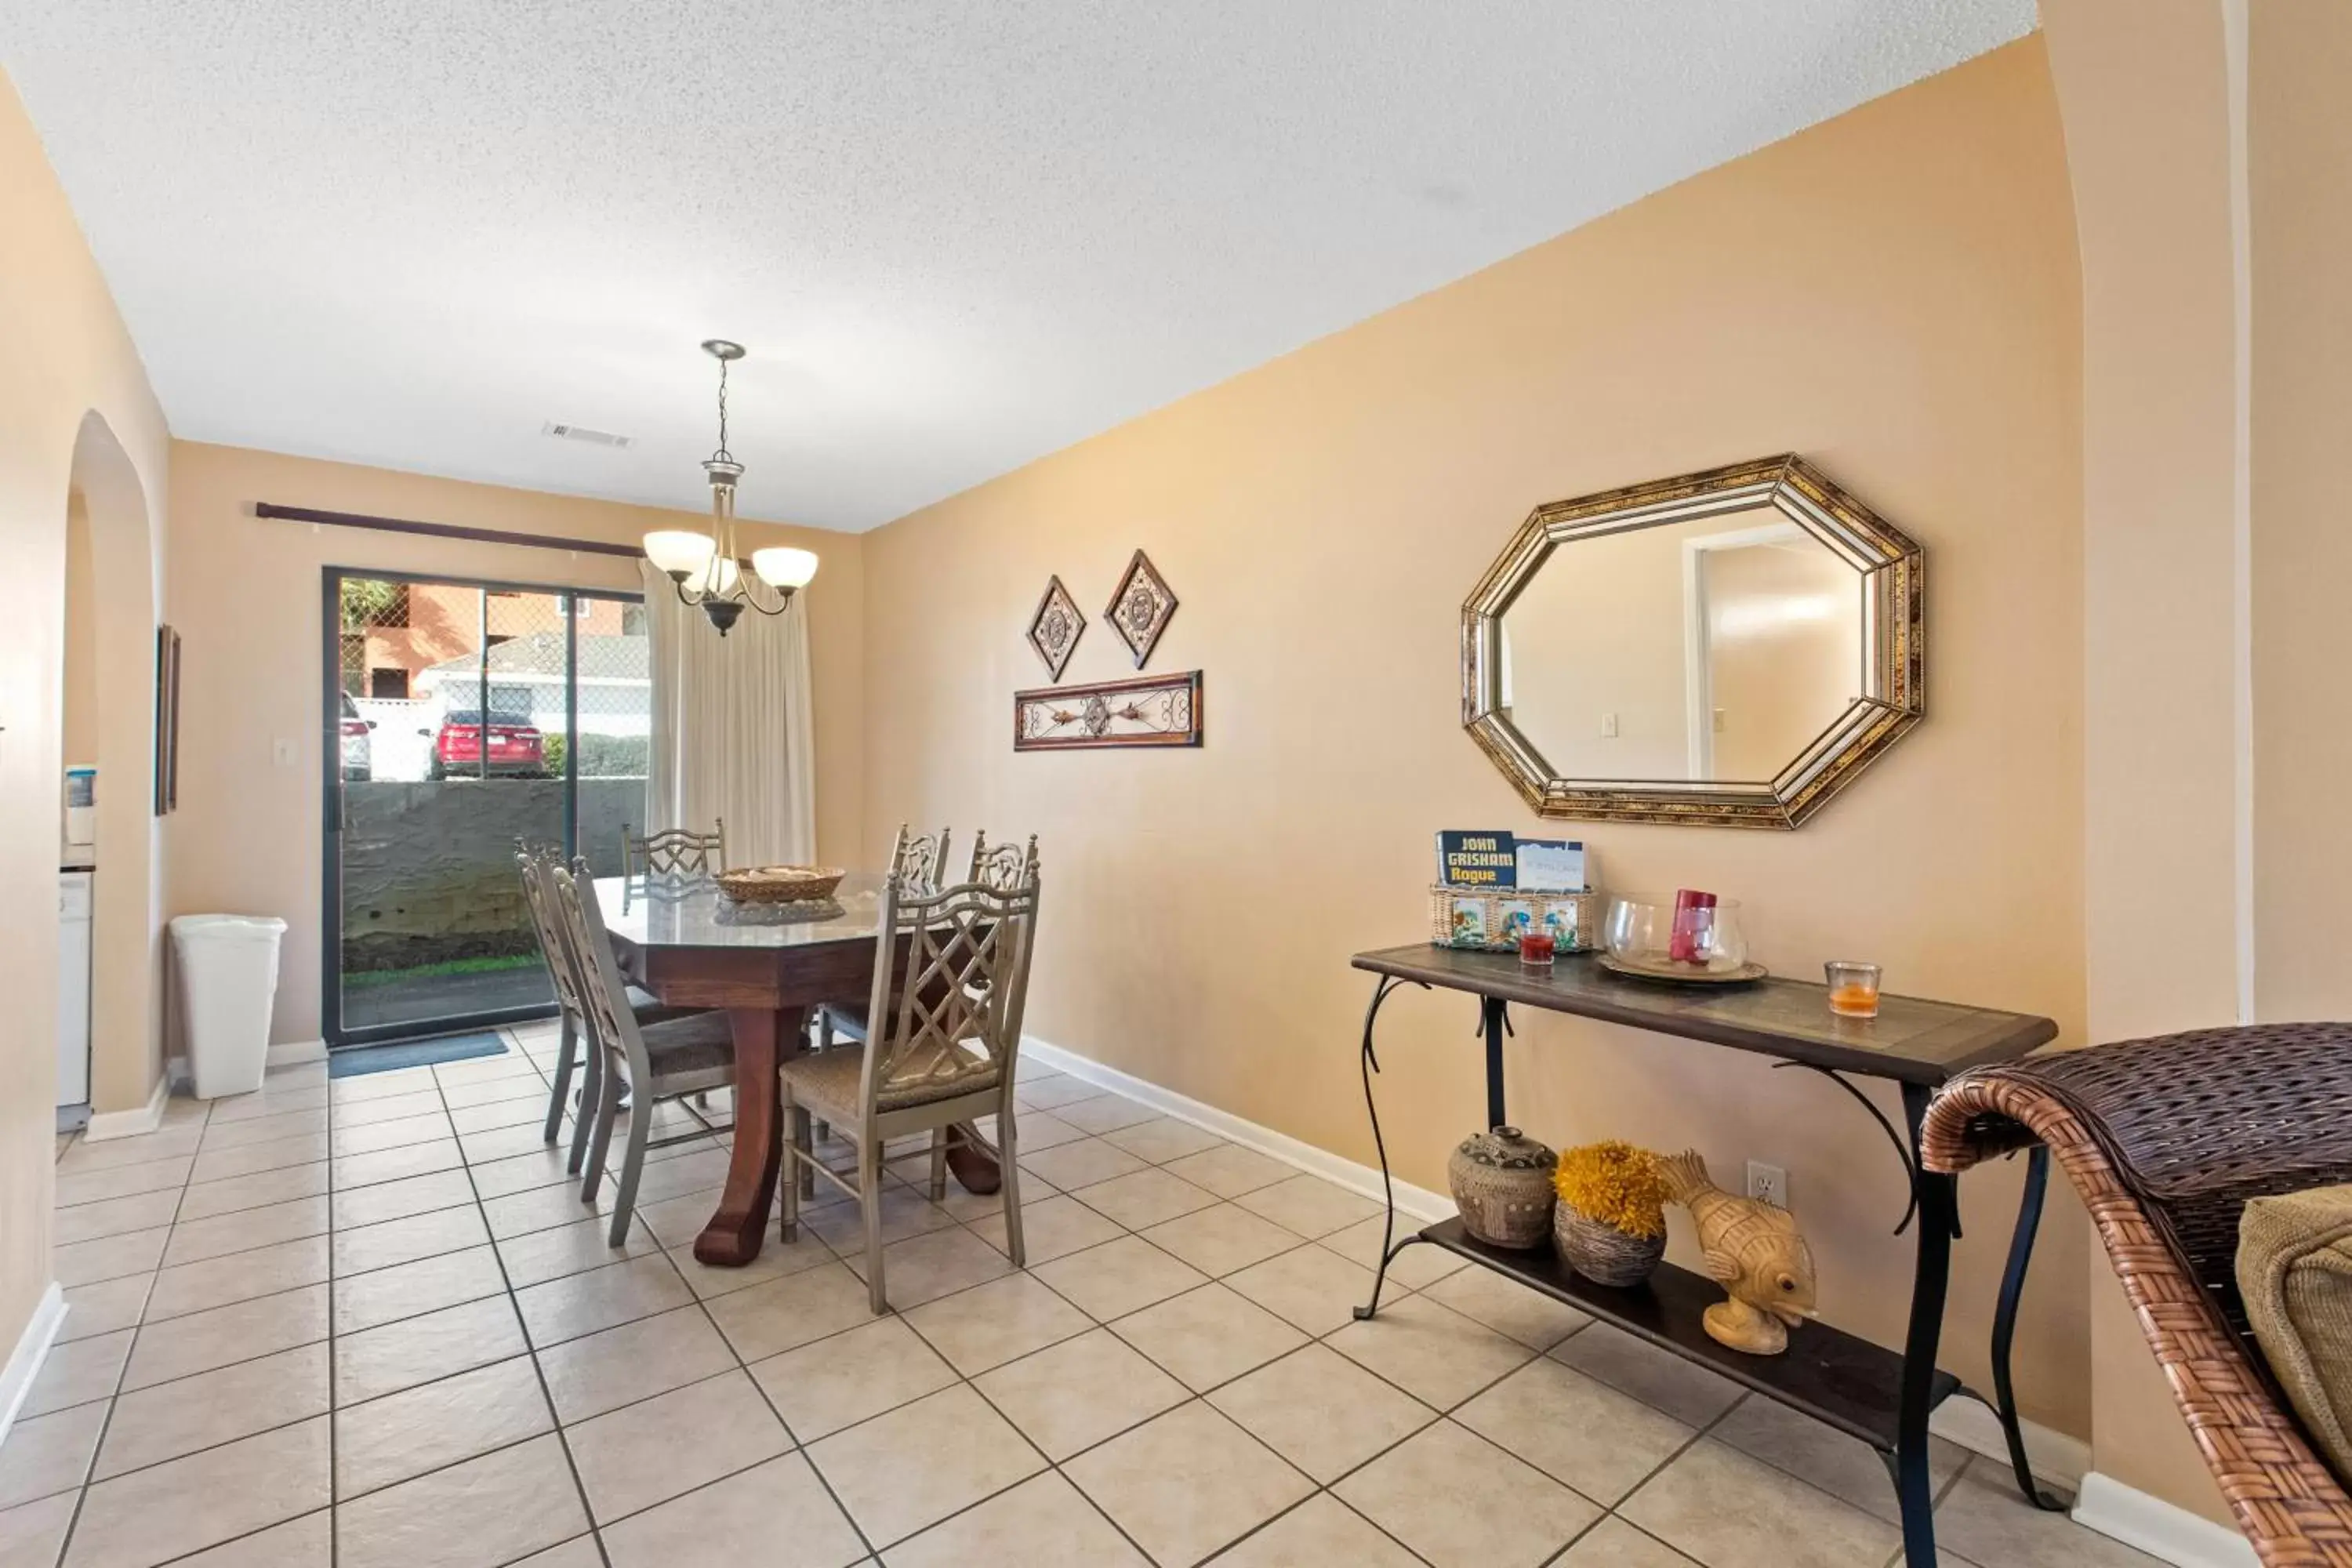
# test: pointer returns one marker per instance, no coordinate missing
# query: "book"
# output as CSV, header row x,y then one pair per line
x,y
1477,858
1549,865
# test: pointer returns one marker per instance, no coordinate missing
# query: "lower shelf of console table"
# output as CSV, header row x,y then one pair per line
x,y
1834,1377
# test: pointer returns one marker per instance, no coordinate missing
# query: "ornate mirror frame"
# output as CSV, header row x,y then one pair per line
x,y
1892,567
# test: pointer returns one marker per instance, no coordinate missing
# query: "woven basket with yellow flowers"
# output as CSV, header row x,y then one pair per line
x,y
1609,1225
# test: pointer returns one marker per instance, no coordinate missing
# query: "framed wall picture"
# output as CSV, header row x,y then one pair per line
x,y
1056,628
1150,710
167,720
1141,609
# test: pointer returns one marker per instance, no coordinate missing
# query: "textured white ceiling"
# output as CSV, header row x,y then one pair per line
x,y
955,236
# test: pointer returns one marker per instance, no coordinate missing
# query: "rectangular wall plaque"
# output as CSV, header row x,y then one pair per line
x,y
1150,710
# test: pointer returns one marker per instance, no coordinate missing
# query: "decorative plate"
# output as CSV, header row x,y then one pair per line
x,y
1139,611
780,884
1054,629
1682,973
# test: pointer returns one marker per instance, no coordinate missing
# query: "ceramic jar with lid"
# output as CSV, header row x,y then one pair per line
x,y
1501,1182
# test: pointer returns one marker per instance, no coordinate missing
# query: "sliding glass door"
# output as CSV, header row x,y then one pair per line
x,y
461,718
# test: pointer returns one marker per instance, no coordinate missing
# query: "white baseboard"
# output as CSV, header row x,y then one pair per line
x,y
32,1349
1419,1201
2058,1459
2158,1528
294,1053
106,1124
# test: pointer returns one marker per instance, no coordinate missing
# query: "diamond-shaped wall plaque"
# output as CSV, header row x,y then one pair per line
x,y
1139,611
1054,630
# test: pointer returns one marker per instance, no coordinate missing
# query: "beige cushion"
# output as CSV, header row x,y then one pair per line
x,y
827,1080
2295,1269
695,1042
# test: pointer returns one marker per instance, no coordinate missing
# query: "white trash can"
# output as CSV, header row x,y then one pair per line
x,y
228,978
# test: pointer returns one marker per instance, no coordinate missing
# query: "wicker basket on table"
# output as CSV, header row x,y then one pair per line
x,y
2166,1140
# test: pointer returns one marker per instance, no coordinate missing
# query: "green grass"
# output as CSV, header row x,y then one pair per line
x,y
447,966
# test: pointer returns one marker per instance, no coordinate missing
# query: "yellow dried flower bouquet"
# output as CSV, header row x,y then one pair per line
x,y
1610,1223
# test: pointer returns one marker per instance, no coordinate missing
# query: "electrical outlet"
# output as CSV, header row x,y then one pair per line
x,y
1769,1183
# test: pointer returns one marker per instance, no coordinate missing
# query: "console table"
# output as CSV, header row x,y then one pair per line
x,y
1860,1388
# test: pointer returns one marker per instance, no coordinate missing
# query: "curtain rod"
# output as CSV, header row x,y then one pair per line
x,y
440,529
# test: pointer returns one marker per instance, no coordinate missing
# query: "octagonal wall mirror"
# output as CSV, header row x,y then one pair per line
x,y
1728,648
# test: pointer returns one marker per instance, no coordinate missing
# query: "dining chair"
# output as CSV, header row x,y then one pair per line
x,y
674,852
1002,865
577,1047
652,1063
917,860
951,981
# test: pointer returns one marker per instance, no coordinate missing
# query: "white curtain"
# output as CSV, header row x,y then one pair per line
x,y
732,737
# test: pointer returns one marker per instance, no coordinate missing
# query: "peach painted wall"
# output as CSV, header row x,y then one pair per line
x,y
2301,199
70,386
81,636
1904,307
2152,97
245,593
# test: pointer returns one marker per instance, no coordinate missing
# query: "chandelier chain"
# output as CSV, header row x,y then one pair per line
x,y
722,455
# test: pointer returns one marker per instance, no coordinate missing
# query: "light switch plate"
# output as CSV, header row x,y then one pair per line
x,y
282,752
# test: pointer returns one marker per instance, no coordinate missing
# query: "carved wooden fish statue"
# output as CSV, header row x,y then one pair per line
x,y
1752,1249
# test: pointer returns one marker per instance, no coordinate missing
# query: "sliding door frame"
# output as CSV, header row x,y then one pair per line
x,y
331,784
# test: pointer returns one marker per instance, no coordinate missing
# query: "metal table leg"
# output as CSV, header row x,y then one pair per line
x,y
2004,1325
1495,1022
1370,1064
1939,1214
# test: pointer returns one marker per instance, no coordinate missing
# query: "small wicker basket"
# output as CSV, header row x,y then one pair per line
x,y
1488,919
780,884
1602,1253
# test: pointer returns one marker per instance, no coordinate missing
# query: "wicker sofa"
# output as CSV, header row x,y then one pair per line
x,y
2166,1140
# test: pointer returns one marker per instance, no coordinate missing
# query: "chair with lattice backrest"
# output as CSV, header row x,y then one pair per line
x,y
950,982
2167,1141
574,1047
649,1064
916,861
674,853
1002,865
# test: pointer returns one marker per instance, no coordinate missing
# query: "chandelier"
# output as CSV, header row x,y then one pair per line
x,y
705,567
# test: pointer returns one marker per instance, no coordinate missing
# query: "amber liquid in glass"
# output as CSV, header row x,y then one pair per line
x,y
1854,1002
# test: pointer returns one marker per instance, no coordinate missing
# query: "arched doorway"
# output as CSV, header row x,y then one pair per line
x,y
122,593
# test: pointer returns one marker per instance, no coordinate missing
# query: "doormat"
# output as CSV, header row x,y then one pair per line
x,y
355,1061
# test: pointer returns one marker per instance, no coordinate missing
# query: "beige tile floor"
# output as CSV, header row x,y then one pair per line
x,y
368,1323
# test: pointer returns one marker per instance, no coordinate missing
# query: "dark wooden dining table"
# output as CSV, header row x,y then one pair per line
x,y
690,947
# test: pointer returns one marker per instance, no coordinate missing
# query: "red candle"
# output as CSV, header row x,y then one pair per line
x,y
1537,948
1694,927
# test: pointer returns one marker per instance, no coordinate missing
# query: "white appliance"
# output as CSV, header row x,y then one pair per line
x,y
81,812
73,998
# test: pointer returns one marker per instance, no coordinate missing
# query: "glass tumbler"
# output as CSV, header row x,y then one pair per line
x,y
1853,989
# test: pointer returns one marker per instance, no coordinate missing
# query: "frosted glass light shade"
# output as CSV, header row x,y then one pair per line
x,y
677,550
718,578
781,566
